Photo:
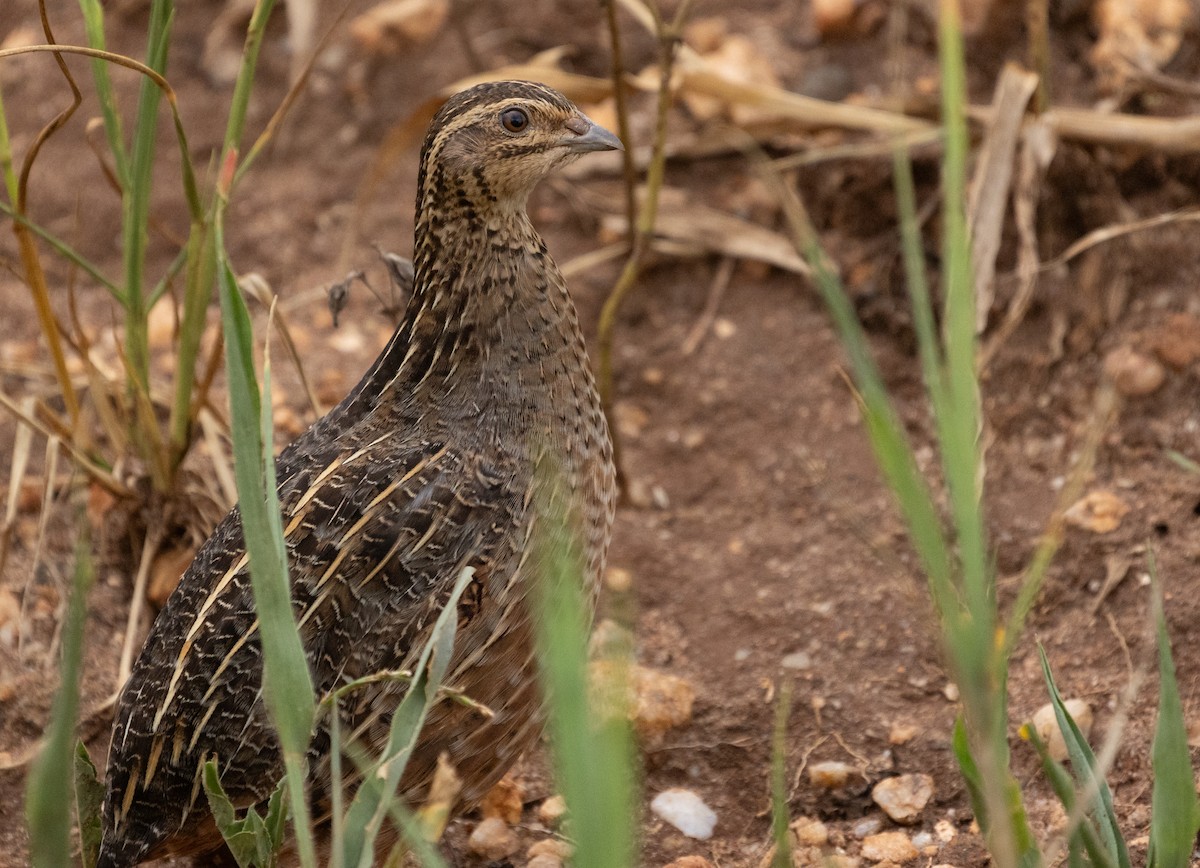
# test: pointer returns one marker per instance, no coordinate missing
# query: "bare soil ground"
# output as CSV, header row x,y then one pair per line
x,y
763,530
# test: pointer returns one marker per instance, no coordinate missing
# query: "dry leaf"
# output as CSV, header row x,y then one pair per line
x,y
388,27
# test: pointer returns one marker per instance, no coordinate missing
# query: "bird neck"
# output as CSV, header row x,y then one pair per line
x,y
488,304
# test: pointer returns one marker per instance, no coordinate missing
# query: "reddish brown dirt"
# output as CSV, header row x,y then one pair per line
x,y
766,530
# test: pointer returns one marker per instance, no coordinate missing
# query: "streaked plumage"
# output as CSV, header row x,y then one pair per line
x,y
426,467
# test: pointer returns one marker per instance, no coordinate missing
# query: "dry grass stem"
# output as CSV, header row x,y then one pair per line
x,y
51,464
218,455
150,547
256,286
593,259
988,195
622,105
85,462
1037,150
668,36
1109,233
1168,135
22,442
716,292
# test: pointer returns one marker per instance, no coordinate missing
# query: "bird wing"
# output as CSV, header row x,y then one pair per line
x,y
374,547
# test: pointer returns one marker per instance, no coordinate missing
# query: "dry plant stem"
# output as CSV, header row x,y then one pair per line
x,y
668,38
992,181
716,292
154,537
30,260
1037,26
622,103
52,450
22,442
101,476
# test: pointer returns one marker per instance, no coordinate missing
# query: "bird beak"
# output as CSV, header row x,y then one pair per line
x,y
586,135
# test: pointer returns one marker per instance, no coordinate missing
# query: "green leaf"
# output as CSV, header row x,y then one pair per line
x,y
89,805
287,683
779,805
1083,767
248,838
1084,836
371,802
589,729
1175,813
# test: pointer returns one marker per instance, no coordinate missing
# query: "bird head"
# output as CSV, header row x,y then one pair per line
x,y
489,145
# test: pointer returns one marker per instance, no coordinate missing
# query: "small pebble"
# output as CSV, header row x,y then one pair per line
x,y
904,797
560,850
661,702
945,831
505,800
950,691
889,847
902,733
686,811
618,580
1097,511
544,860
690,862
550,812
921,840
1134,375
829,775
866,826
1046,724
1178,341
810,832
797,660
724,328
493,839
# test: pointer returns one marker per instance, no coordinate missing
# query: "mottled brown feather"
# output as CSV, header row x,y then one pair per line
x,y
427,466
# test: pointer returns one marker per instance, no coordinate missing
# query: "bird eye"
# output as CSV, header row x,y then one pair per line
x,y
514,120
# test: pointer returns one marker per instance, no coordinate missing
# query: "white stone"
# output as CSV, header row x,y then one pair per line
x,y
904,797
686,811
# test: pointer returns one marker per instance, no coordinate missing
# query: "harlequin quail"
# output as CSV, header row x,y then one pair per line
x,y
431,464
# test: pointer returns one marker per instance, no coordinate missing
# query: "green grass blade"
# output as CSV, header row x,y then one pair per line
x,y
1175,812
371,804
93,19
779,802
959,418
89,805
48,793
1084,838
970,772
1083,766
589,730
6,155
136,196
287,684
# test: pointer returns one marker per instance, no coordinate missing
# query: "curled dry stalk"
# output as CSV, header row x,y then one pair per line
x,y
669,36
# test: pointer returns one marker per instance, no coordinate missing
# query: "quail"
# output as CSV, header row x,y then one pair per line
x,y
434,462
